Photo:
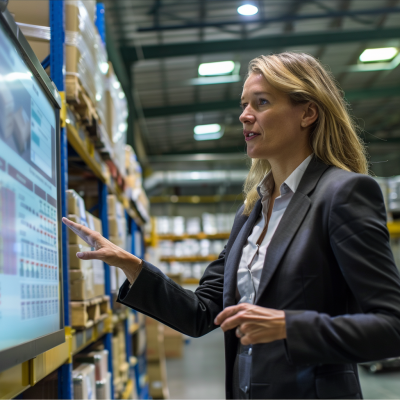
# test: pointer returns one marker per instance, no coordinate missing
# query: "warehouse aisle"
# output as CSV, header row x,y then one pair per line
x,y
382,385
201,372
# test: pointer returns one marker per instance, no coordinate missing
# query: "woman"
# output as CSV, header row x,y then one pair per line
x,y
307,280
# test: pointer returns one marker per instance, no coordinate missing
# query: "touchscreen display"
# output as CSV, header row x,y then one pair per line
x,y
29,260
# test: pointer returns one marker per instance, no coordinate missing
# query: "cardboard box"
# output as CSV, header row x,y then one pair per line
x,y
74,261
98,277
81,284
73,238
94,223
76,206
173,343
118,241
30,12
155,340
157,373
114,207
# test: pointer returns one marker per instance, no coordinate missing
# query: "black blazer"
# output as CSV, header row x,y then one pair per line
x,y
329,266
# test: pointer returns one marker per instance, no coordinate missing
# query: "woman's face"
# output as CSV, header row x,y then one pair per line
x,y
272,125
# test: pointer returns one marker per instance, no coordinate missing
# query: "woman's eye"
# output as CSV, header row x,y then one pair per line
x,y
242,105
263,102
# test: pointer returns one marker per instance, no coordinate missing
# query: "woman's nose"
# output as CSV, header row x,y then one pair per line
x,y
247,117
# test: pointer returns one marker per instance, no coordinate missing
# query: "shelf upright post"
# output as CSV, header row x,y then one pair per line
x,y
57,68
103,214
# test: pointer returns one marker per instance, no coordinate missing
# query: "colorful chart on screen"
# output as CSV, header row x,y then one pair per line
x,y
29,261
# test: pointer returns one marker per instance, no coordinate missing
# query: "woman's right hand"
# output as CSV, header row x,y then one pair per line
x,y
105,251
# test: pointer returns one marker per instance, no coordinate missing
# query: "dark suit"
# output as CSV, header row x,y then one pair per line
x,y
329,266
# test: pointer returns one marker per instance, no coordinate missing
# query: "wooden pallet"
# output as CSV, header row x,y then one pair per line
x,y
80,101
85,313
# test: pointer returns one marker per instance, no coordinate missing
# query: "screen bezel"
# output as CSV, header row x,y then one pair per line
x,y
25,351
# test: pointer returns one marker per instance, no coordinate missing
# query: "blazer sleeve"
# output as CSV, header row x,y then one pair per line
x,y
192,313
360,241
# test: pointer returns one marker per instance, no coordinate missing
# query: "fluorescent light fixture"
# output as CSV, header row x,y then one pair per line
x,y
208,132
116,85
209,136
381,54
121,95
98,97
216,68
205,129
104,68
247,9
214,80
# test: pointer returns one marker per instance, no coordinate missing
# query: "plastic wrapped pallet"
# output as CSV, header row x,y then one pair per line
x,y
117,114
83,379
85,60
103,388
100,361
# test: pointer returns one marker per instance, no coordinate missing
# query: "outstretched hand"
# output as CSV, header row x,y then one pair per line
x,y
254,324
105,251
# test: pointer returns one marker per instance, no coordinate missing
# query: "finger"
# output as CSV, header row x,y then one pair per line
x,y
90,255
232,322
82,231
228,312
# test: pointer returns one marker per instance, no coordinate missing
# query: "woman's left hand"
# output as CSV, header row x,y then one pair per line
x,y
254,324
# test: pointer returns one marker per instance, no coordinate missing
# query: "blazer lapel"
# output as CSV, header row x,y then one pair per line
x,y
290,222
235,255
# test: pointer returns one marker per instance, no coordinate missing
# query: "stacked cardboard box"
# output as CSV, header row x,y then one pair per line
x,y
134,182
173,343
120,363
86,276
156,364
117,114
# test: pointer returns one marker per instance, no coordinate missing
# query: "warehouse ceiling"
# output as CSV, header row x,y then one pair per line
x,y
163,42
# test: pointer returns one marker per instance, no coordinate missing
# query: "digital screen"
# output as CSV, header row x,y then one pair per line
x,y
29,260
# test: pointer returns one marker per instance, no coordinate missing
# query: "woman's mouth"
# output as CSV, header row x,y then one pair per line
x,y
249,135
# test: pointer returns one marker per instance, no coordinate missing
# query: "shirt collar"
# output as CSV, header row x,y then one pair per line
x,y
291,183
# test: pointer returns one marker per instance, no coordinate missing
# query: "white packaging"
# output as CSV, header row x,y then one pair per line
x,y
84,382
166,248
178,226
193,226
205,245
187,270
209,224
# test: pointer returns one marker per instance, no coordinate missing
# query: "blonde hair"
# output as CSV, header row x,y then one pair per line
x,y
333,136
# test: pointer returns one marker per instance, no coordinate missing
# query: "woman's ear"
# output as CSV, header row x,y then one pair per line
x,y
310,114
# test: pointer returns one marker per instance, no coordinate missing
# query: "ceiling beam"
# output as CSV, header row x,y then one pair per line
x,y
265,43
281,18
351,95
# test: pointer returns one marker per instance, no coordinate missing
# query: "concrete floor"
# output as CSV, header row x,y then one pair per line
x,y
200,374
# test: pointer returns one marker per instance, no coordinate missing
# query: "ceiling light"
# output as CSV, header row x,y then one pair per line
x,y
116,85
209,136
205,129
121,95
247,9
216,68
382,54
98,97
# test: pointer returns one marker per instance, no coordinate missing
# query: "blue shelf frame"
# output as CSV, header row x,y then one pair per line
x,y
56,61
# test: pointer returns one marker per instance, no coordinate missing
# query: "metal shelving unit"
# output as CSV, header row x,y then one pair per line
x,y
16,380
